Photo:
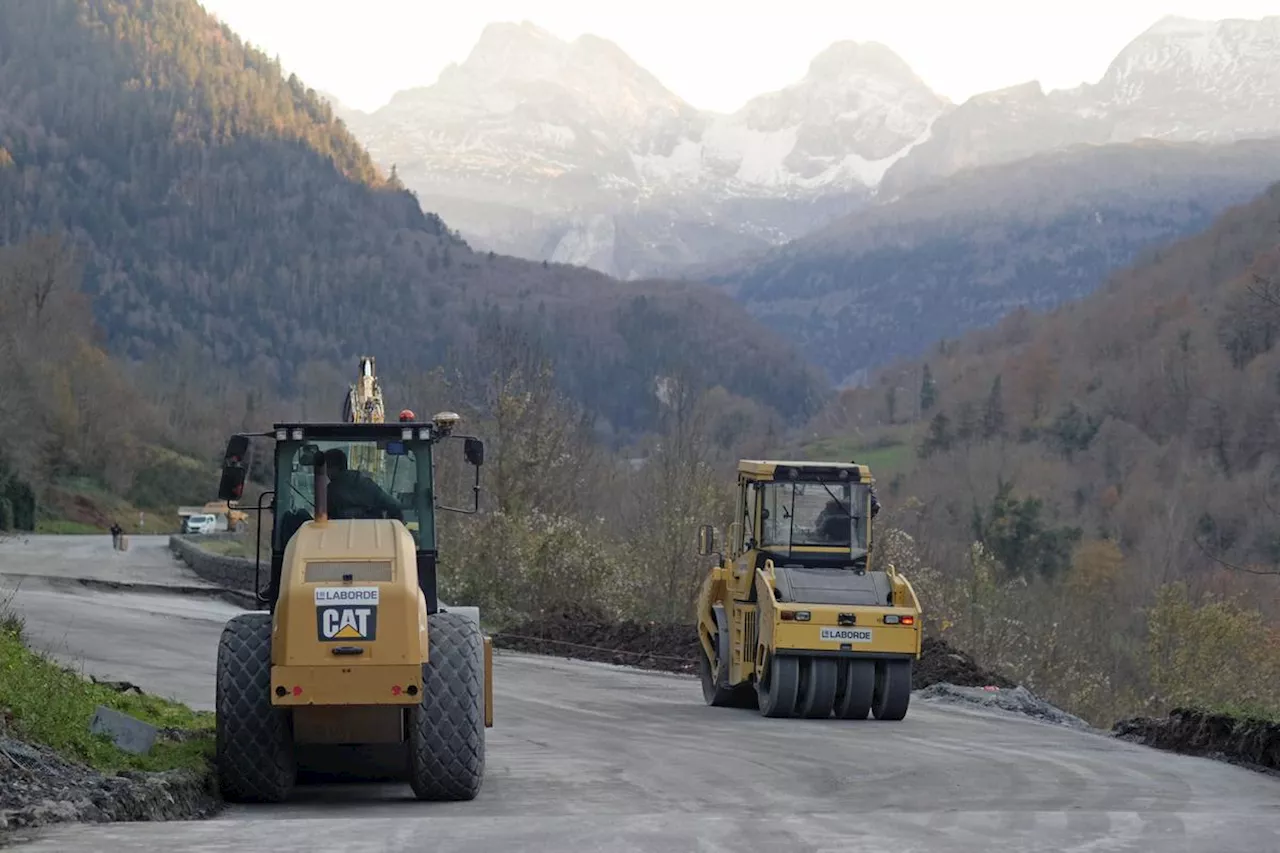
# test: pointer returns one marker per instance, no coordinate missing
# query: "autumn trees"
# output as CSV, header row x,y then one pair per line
x,y
1116,466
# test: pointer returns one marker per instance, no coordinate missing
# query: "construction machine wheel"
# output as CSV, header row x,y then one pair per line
x,y
856,691
254,739
819,678
893,689
740,696
780,691
446,728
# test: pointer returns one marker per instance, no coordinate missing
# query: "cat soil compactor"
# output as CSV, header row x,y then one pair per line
x,y
798,618
354,650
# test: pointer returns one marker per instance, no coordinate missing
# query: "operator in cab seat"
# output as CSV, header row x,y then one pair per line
x,y
833,523
354,494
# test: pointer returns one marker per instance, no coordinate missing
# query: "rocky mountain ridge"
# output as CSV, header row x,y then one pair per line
x,y
572,152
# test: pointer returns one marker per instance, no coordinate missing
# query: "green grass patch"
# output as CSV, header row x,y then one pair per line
x,y
82,505
1243,711
52,705
886,455
65,527
226,547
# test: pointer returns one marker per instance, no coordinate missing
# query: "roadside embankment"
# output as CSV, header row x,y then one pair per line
x,y
1238,739
54,768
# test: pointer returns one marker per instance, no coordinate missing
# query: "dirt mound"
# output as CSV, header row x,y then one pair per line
x,y
41,788
1239,740
590,635
942,663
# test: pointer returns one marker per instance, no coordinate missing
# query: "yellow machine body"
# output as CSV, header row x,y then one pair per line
x,y
351,625
815,606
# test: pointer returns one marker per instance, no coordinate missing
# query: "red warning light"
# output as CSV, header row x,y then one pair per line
x,y
297,691
395,691
407,415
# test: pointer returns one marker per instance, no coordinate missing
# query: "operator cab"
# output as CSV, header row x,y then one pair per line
x,y
383,471
806,514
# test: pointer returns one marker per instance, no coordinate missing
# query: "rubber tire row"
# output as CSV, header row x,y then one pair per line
x,y
254,752
817,688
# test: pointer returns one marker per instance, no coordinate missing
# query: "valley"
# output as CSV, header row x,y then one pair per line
x,y
1047,322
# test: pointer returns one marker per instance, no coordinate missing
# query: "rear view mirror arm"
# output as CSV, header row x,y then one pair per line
x,y
476,493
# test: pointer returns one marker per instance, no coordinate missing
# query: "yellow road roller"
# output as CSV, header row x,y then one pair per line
x,y
797,618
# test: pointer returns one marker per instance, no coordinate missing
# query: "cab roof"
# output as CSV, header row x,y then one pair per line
x,y
346,430
767,470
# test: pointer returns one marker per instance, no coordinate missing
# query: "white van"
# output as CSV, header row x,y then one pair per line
x,y
202,523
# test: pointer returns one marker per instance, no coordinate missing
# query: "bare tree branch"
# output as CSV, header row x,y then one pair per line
x,y
1229,565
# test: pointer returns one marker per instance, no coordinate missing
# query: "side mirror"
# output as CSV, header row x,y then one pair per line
x,y
474,451
706,540
235,465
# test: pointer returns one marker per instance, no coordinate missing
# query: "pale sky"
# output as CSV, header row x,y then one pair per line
x,y
716,54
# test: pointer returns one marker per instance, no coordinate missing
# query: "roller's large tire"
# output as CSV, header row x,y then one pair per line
x,y
446,729
857,688
893,689
254,740
741,696
780,691
818,682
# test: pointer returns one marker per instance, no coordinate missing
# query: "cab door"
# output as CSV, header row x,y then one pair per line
x,y
741,585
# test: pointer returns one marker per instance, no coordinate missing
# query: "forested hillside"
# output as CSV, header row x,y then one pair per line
x,y
889,281
1117,461
227,220
80,444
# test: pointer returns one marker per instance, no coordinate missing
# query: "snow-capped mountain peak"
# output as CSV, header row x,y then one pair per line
x,y
858,109
522,69
1185,59
852,61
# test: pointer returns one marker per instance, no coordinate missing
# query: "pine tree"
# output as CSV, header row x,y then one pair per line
x,y
993,415
939,437
928,390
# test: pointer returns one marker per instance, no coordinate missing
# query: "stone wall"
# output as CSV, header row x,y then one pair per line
x,y
228,572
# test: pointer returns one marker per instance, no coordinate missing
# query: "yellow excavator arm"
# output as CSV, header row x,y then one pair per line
x,y
364,406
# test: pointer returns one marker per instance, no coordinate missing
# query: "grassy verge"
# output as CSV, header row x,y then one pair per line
x,y
226,547
1256,713
47,704
78,505
64,527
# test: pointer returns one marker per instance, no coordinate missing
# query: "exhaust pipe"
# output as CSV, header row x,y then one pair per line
x,y
321,491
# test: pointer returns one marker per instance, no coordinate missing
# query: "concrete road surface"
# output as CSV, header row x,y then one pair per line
x,y
588,757
166,644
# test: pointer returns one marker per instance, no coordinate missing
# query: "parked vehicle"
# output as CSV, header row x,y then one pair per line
x,y
200,523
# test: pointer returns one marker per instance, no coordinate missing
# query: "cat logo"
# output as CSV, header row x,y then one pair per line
x,y
346,614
